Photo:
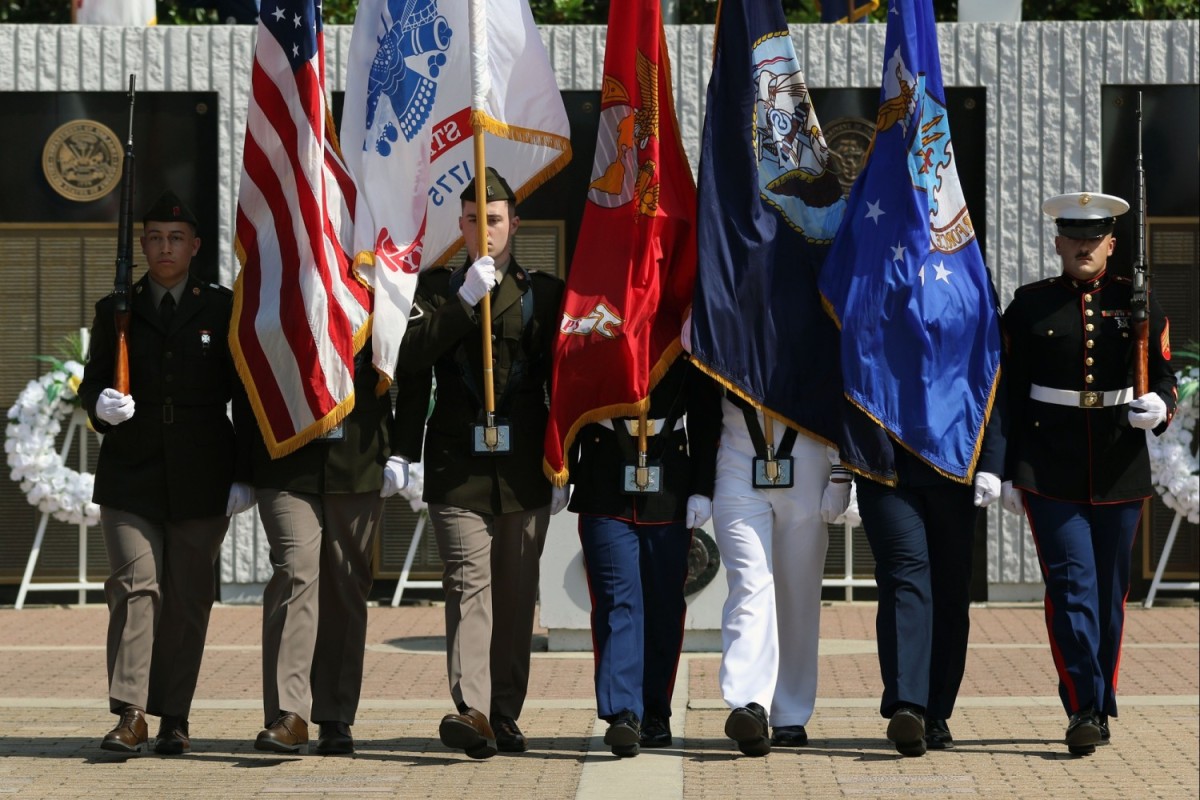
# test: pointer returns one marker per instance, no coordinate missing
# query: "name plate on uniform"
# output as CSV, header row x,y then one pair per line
x,y
491,441
774,473
334,434
643,480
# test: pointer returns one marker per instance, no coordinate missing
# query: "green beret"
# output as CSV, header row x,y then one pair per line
x,y
497,188
169,208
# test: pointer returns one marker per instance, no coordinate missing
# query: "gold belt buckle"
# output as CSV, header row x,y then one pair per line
x,y
1090,399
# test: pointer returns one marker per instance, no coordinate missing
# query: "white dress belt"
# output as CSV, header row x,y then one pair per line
x,y
653,426
1067,397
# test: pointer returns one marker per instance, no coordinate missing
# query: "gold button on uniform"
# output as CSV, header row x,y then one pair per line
x,y
1089,327
1087,298
1089,378
1090,343
1089,361
1089,312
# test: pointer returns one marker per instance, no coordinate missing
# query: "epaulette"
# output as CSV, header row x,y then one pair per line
x,y
543,274
218,287
1122,279
1042,284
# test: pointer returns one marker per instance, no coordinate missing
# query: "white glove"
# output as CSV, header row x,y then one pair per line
x,y
987,488
113,407
241,498
559,496
699,511
835,500
1147,412
1011,499
481,277
395,476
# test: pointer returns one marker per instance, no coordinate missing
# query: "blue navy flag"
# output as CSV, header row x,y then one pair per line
x,y
767,212
905,280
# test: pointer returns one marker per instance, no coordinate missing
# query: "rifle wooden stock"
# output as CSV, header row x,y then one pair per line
x,y
121,364
1141,356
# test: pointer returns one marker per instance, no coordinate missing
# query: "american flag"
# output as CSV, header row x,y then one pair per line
x,y
300,313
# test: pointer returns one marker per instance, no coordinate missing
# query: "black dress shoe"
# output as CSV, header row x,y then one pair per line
x,y
335,739
937,735
172,739
748,727
656,731
1083,733
623,734
789,736
509,738
287,734
469,732
130,734
1105,734
907,730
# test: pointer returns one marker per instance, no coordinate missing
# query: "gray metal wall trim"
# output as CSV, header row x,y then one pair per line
x,y
1043,84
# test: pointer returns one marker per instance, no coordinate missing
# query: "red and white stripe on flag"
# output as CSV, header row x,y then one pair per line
x,y
300,313
407,127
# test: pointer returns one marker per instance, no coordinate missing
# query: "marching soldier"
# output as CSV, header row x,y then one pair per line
x,y
489,508
635,549
165,479
1077,462
321,507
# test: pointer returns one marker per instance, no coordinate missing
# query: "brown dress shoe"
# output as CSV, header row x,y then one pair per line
x,y
130,734
287,734
469,732
335,739
172,738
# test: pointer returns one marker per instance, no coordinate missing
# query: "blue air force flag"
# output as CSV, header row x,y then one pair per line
x,y
905,280
767,210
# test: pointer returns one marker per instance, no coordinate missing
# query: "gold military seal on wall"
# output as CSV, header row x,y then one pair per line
x,y
849,141
82,160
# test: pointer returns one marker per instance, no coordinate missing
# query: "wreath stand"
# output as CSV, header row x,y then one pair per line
x,y
83,585
1158,582
404,582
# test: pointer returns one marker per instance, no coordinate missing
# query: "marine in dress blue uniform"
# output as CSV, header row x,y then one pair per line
x,y
635,549
1077,460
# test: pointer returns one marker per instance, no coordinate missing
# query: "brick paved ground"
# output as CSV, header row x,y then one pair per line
x,y
1008,725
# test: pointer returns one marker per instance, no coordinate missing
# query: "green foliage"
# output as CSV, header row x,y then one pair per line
x,y
35,11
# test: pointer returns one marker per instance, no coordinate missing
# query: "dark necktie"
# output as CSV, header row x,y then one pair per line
x,y
166,310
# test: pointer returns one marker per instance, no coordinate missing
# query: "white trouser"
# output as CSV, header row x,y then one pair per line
x,y
769,628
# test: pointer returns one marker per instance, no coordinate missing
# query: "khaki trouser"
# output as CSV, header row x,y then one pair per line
x,y
491,579
160,592
314,630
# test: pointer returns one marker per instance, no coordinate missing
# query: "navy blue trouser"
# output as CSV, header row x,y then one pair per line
x,y
922,538
1084,551
635,575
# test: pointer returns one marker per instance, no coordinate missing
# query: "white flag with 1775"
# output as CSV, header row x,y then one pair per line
x,y
407,127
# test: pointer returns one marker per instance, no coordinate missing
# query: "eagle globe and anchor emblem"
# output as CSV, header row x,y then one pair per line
x,y
82,160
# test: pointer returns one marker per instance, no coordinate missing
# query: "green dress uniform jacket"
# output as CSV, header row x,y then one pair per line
x,y
174,459
444,340
351,463
1078,335
687,454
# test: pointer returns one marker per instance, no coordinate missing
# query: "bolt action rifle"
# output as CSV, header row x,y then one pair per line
x,y
1139,301
123,285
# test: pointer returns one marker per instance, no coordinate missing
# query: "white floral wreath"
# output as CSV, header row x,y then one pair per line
x,y
34,423
1173,465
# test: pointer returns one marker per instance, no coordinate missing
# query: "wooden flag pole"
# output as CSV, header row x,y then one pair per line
x,y
485,305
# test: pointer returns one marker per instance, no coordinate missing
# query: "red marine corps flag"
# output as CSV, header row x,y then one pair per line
x,y
631,279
